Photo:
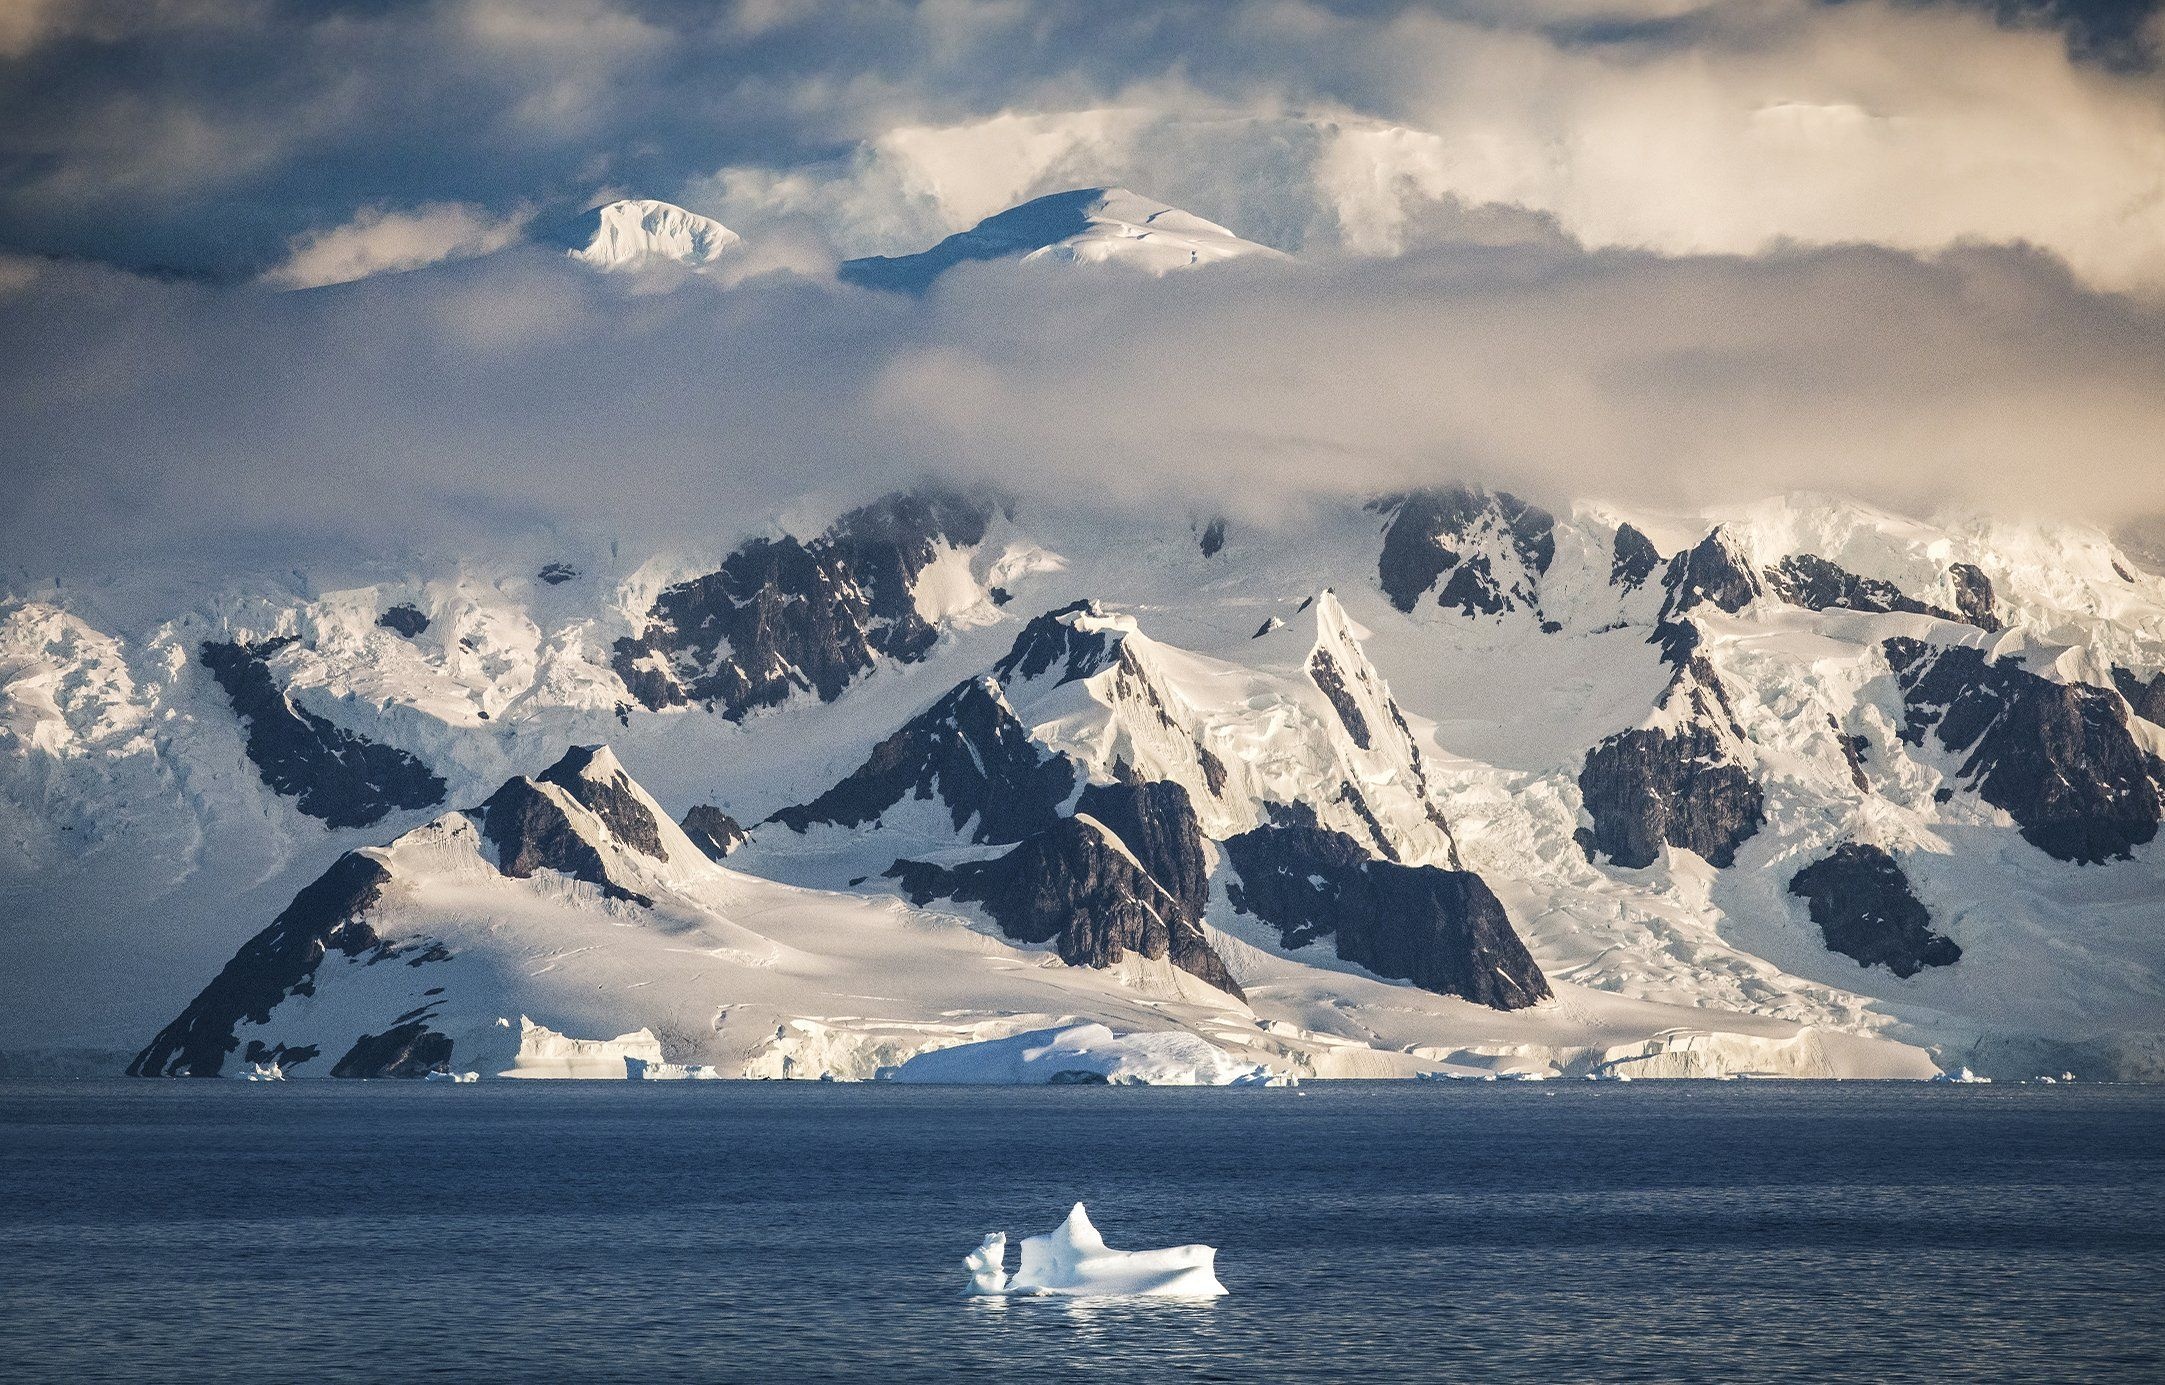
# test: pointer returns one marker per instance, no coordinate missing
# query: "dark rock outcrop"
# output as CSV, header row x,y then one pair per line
x,y
1078,886
1441,930
1157,822
713,831
1644,788
329,915
968,750
1863,904
1323,671
1810,581
1710,573
1648,787
557,574
404,1050
531,832
605,790
1974,599
1632,558
1853,752
1213,538
2058,758
2146,699
405,620
330,773
1461,534
781,616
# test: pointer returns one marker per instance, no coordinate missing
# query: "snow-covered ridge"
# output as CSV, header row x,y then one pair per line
x,y
641,233
1088,226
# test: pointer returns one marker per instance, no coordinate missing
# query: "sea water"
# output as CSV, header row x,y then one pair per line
x,y
774,1232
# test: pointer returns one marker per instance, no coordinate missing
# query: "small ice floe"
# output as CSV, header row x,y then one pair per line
x,y
1074,1259
446,1075
1962,1075
263,1072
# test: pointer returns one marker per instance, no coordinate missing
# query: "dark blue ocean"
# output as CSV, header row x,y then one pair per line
x,y
766,1232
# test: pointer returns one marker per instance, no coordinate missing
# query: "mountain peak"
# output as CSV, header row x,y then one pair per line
x,y
639,233
1081,226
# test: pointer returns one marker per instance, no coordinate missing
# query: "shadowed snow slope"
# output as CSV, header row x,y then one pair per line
x,y
1087,226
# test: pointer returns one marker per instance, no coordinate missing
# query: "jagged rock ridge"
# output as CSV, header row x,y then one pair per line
x,y
1443,930
329,915
2056,757
1810,581
781,617
1489,549
967,750
1681,786
1080,885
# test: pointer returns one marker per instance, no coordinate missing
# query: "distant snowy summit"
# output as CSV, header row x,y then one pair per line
x,y
1086,226
641,233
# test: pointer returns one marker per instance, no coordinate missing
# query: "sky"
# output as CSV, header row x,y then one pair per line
x,y
277,279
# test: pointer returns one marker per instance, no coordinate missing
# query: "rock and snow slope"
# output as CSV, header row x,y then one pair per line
x,y
1448,783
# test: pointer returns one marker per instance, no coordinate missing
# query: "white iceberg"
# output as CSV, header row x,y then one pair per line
x,y
1963,1075
1086,1053
1074,1259
446,1075
263,1072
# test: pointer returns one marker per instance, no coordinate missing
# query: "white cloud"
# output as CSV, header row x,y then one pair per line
x,y
381,241
1779,122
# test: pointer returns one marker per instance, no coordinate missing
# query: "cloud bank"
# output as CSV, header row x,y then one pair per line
x,y
517,392
381,241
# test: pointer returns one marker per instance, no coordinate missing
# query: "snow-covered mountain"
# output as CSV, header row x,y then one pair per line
x,y
1442,782
640,233
1088,226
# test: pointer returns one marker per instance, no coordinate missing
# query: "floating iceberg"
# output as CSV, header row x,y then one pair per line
x,y
263,1072
1962,1075
1086,1053
446,1075
1074,1259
